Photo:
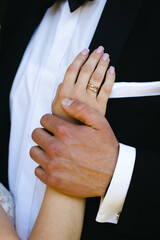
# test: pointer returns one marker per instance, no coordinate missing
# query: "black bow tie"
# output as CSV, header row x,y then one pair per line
x,y
73,4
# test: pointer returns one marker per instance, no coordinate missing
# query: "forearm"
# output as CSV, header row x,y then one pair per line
x,y
60,217
7,231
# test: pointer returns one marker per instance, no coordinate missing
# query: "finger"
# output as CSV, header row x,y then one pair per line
x,y
73,70
107,86
55,125
42,138
38,155
41,174
88,68
84,113
99,74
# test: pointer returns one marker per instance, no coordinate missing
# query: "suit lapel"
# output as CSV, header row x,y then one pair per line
x,y
115,25
18,30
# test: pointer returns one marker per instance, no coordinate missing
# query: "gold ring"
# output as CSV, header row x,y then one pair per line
x,y
92,87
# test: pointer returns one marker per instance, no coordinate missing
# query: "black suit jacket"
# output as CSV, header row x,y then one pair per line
x,y
129,31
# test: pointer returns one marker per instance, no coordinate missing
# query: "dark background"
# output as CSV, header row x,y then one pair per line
x,y
3,7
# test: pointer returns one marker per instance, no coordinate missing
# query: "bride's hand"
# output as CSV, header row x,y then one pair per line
x,y
83,76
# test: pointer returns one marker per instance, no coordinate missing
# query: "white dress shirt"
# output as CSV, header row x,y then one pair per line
x,y
60,36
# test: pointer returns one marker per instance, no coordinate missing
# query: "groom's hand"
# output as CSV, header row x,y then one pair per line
x,y
78,160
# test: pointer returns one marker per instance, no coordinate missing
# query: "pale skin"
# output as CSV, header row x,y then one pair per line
x,y
61,216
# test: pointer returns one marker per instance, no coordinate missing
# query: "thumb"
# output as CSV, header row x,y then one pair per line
x,y
83,113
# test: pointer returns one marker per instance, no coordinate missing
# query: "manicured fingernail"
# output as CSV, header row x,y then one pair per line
x,y
100,49
85,52
105,56
112,70
67,102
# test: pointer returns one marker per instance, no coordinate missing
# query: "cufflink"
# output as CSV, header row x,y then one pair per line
x,y
117,216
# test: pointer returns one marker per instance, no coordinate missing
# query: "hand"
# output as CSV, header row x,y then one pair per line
x,y
82,71
78,160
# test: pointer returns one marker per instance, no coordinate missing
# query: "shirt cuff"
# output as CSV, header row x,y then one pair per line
x,y
111,205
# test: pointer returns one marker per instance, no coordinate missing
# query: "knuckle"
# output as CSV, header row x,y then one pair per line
x,y
49,165
96,77
54,181
44,119
81,108
32,152
51,150
62,93
40,174
35,133
78,109
96,56
60,89
36,171
87,68
60,86
50,147
63,130
107,90
72,68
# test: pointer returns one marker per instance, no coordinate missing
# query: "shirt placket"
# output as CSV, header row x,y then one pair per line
x,y
47,86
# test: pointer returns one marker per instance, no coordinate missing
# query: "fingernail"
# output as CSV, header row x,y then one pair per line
x,y
100,49
105,56
85,52
112,70
67,102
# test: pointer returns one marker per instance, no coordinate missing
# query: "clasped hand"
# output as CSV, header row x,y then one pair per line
x,y
77,150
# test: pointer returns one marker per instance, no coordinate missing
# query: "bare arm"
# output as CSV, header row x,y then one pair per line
x,y
60,217
7,230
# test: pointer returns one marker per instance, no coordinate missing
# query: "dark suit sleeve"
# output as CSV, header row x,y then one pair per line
x,y
140,215
135,122
141,209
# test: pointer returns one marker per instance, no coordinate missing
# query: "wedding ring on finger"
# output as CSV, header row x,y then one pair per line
x,y
92,87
